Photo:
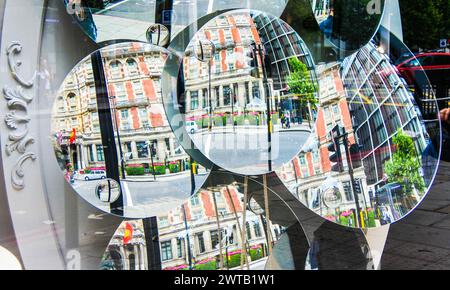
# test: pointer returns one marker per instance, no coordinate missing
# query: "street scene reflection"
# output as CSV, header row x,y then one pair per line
x,y
109,122
348,24
113,19
372,156
212,230
250,98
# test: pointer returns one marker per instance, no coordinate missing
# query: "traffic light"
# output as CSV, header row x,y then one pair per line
x,y
357,186
356,155
252,56
153,149
335,147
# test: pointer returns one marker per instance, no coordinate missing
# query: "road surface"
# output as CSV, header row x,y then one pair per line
x,y
246,151
146,198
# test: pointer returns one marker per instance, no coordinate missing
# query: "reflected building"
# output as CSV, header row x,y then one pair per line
x,y
200,216
232,35
282,43
380,105
133,76
124,254
309,175
365,96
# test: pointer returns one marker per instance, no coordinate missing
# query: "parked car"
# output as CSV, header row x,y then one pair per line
x,y
95,174
191,127
432,63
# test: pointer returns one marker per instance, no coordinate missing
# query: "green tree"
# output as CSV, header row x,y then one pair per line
x,y
424,23
300,84
404,167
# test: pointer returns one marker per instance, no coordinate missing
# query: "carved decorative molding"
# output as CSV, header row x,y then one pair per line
x,y
13,49
17,118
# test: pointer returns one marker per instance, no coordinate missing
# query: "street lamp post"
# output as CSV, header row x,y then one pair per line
x,y
188,241
259,49
150,151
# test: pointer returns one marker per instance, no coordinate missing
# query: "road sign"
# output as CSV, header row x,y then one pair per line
x,y
167,17
443,43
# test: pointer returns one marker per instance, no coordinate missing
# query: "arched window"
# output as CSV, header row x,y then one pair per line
x,y
132,67
116,69
72,101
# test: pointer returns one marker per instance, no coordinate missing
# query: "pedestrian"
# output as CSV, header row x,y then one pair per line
x,y
288,123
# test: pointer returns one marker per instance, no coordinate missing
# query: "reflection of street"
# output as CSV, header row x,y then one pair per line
x,y
143,10
247,147
146,197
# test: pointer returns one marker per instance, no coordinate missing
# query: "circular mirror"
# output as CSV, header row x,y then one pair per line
x,y
113,20
108,190
158,34
348,24
211,230
109,124
375,147
249,98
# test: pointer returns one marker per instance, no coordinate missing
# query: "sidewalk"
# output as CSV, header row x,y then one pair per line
x,y
110,27
243,128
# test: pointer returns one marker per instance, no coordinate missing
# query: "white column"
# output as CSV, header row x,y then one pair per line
x,y
94,152
85,155
142,257
172,146
174,248
137,257
78,157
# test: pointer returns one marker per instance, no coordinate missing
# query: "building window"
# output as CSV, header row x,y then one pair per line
x,y
247,230
214,239
195,200
180,248
255,90
201,243
142,149
143,116
204,98
194,100
166,251
257,229
91,153
100,155
226,95
217,95
132,67
116,69
124,123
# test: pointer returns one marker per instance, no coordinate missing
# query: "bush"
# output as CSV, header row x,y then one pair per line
x,y
134,171
234,261
160,169
255,254
371,217
174,168
211,265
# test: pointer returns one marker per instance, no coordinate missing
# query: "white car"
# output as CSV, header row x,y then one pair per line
x,y
95,174
191,127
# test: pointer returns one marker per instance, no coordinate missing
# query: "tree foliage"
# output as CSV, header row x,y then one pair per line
x,y
299,82
404,167
425,22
